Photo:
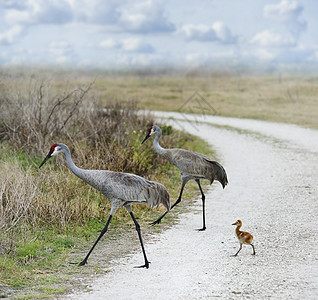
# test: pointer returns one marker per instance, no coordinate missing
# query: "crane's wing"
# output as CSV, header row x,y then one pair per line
x,y
197,165
135,189
188,162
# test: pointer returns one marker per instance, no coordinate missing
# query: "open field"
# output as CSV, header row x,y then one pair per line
x,y
289,99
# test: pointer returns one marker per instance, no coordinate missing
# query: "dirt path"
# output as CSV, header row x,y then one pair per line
x,y
272,171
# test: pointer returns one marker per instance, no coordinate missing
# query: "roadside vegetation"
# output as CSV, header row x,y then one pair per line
x,y
49,217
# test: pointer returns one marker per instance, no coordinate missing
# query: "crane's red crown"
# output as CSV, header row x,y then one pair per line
x,y
150,128
52,148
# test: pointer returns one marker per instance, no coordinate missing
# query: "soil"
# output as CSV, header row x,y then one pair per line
x,y
272,170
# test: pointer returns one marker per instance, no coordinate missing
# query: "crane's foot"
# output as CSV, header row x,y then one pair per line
x,y
83,262
146,265
156,222
202,229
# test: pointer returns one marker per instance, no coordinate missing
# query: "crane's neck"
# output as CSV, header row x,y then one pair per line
x,y
89,176
161,151
76,170
237,230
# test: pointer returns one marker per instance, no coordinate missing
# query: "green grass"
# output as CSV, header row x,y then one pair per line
x,y
35,268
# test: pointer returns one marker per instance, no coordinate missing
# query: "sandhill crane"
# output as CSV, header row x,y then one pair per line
x,y
243,237
122,189
192,165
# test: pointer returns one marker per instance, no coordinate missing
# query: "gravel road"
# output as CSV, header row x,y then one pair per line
x,y
272,170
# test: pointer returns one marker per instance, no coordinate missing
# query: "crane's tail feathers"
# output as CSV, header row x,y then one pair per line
x,y
219,173
165,200
158,195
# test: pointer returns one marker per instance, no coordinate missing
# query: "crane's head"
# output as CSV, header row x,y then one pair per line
x,y
152,129
150,132
238,223
55,149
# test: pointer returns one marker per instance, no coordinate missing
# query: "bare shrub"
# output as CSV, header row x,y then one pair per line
x,y
31,115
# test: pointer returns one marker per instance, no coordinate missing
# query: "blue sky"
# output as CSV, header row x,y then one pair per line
x,y
112,34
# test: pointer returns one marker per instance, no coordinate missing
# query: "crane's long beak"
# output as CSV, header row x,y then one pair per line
x,y
147,137
45,159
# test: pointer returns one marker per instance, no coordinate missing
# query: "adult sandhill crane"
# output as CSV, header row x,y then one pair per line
x,y
192,165
243,237
122,189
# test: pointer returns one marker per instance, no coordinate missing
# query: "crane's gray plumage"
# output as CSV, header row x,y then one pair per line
x,y
193,165
122,189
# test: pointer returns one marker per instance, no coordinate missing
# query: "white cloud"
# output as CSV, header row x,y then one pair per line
x,y
123,28
314,56
223,33
273,39
15,4
61,51
200,32
204,33
21,15
264,54
96,11
109,44
136,45
285,10
144,17
289,12
40,11
297,54
128,45
9,36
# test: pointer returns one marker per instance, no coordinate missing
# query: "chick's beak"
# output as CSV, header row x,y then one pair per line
x,y
45,159
147,137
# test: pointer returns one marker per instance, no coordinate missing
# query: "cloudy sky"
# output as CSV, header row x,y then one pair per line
x,y
123,33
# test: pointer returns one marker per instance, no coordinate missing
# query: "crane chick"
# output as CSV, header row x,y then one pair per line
x,y
243,237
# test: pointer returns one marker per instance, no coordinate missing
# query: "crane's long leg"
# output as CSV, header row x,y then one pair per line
x,y
146,265
184,181
84,261
253,249
238,250
203,204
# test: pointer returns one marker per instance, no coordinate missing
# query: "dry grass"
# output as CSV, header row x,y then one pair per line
x,y
290,99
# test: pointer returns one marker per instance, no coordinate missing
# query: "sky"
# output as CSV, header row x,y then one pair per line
x,y
146,33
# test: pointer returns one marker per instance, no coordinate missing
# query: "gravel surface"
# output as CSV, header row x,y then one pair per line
x,y
272,170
